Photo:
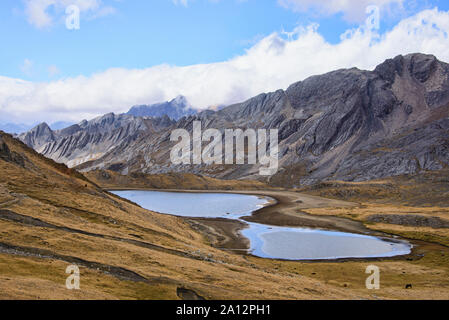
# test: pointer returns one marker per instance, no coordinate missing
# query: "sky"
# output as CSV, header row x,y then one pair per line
x,y
215,52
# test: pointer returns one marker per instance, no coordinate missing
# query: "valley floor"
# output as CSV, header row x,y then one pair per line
x,y
426,269
52,217
33,261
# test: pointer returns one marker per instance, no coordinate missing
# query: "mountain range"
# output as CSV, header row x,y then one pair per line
x,y
349,124
92,139
18,128
174,109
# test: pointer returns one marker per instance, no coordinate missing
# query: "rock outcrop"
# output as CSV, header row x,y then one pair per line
x,y
174,109
90,140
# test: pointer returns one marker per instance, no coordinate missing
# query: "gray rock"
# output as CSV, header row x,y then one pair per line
x,y
174,109
348,124
90,140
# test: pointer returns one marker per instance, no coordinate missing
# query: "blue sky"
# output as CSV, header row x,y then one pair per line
x,y
180,42
140,34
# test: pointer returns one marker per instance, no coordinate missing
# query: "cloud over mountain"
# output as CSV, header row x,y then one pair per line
x,y
274,62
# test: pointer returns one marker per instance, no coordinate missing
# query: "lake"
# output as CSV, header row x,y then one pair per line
x,y
268,241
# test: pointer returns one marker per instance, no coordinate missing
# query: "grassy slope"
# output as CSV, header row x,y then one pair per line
x,y
111,179
426,189
107,231
425,195
84,222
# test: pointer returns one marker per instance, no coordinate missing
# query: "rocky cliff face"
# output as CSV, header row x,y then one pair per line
x,y
174,109
348,124
90,140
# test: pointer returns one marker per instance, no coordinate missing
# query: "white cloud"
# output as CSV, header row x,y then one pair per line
x,y
53,70
38,11
274,62
353,10
185,3
27,67
182,2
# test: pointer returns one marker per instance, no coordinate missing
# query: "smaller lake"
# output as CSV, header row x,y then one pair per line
x,y
313,244
268,241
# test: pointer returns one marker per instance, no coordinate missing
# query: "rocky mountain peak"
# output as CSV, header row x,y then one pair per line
x,y
420,66
37,136
175,109
42,128
181,101
348,124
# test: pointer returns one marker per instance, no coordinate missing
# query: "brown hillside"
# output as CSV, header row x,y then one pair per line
x,y
52,217
111,180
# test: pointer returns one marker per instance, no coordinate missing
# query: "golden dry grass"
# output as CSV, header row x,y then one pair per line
x,y
106,231
111,180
